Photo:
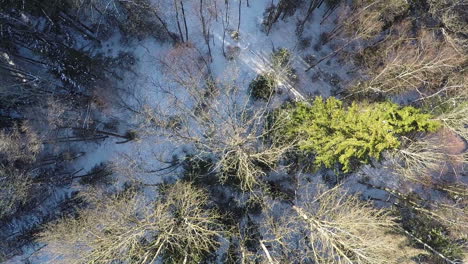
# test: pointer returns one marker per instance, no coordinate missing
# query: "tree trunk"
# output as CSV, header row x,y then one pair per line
x,y
79,26
164,24
240,13
105,133
74,139
275,15
312,6
216,10
330,55
185,20
328,13
206,33
225,24
177,20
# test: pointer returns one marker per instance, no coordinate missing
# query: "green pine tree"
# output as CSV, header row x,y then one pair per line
x,y
354,134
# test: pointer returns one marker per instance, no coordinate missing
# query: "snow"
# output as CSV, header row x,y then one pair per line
x,y
255,49
151,150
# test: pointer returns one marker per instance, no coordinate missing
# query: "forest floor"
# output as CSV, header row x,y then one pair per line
x,y
149,86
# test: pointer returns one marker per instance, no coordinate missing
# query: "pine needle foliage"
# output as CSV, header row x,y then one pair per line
x,y
263,87
351,135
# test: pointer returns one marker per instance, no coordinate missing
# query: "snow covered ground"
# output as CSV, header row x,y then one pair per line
x,y
255,50
150,83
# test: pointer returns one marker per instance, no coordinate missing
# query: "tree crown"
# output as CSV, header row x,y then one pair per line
x,y
345,135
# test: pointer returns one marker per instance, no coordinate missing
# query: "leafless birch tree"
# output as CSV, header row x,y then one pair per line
x,y
331,226
123,227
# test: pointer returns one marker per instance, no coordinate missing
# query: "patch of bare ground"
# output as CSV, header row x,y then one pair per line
x,y
454,149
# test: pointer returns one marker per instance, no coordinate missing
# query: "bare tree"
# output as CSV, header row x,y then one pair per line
x,y
19,147
236,137
146,6
176,7
123,227
186,66
425,67
428,158
15,188
420,217
282,9
212,119
456,120
206,16
454,215
364,22
185,20
240,14
330,226
226,21
19,143
366,19
313,4
452,13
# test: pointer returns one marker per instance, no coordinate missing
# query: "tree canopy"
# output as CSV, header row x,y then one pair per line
x,y
356,134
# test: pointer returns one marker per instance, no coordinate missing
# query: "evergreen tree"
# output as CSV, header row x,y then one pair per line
x,y
354,134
